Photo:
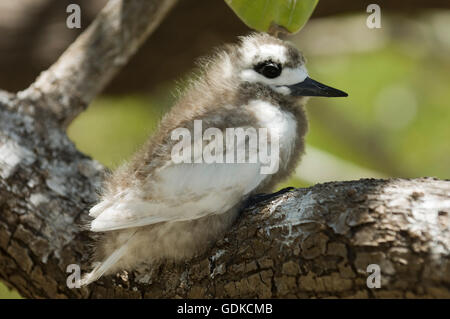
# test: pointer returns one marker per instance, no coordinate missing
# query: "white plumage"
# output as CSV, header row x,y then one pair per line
x,y
215,188
154,208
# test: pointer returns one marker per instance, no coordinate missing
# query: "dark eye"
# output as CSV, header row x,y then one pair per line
x,y
269,69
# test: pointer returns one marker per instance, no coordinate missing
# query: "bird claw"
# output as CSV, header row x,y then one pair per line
x,y
259,198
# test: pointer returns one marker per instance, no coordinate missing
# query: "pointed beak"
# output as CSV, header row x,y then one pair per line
x,y
309,87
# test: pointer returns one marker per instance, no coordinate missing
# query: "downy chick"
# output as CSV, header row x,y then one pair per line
x,y
154,207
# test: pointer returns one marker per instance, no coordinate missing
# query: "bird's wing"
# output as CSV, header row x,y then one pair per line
x,y
181,192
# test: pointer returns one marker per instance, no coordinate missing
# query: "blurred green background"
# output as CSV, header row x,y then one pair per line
x,y
395,122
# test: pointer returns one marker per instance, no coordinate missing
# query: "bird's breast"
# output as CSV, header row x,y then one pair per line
x,y
280,124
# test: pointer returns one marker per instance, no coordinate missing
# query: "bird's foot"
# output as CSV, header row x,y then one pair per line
x,y
259,198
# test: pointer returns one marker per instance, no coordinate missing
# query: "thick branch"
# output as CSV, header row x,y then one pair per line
x,y
88,65
314,242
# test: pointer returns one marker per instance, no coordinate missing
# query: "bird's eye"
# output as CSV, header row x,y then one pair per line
x,y
268,69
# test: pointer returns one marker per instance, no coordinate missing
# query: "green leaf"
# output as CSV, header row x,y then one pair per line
x,y
270,15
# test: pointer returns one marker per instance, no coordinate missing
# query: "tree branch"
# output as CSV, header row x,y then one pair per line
x,y
88,65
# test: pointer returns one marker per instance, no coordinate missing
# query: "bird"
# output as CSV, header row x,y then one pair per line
x,y
155,208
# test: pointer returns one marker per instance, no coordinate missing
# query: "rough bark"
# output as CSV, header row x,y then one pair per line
x,y
314,242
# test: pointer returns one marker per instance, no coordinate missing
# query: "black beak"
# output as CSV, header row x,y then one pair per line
x,y
309,87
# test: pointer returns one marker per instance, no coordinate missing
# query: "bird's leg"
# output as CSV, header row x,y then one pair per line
x,y
259,198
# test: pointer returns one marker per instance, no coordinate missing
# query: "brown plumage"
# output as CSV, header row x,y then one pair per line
x,y
153,208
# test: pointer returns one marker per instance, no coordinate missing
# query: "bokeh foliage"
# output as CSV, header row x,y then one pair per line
x,y
290,15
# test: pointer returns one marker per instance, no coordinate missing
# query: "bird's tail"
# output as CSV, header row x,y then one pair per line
x,y
106,264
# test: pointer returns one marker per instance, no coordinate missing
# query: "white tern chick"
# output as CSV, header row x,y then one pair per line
x,y
155,208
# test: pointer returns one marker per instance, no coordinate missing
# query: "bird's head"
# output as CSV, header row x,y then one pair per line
x,y
271,62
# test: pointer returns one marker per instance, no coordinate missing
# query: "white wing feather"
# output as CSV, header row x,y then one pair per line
x,y
181,192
